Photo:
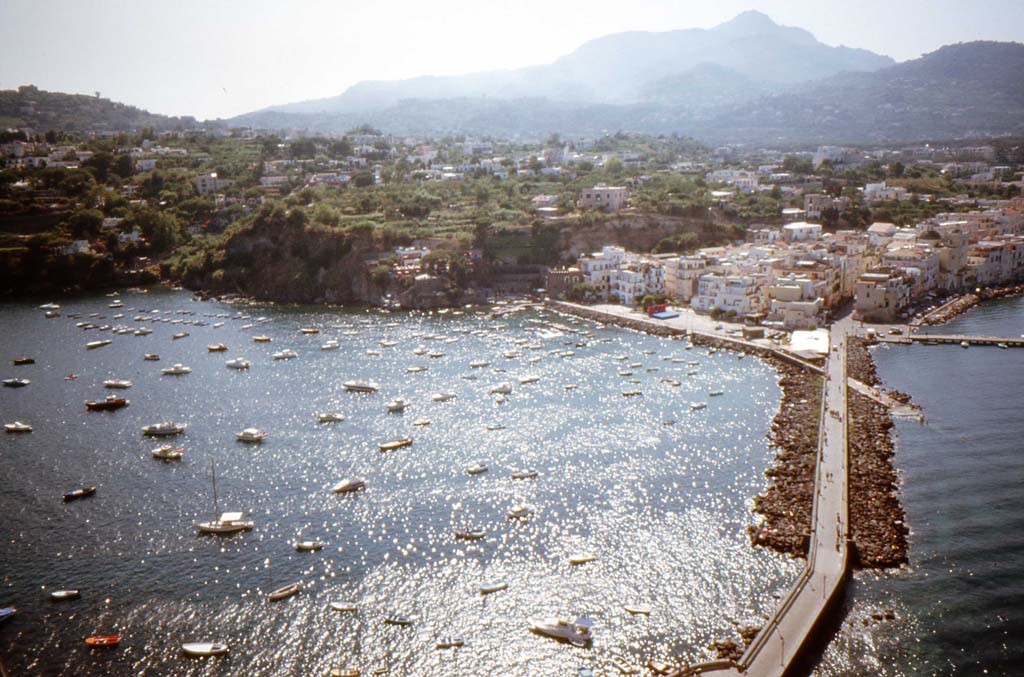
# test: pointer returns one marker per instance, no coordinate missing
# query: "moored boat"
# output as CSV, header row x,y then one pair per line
x,y
168,453
285,592
345,607
492,587
205,648
92,345
16,382
360,386
238,363
582,558
642,609
165,429
308,546
397,406
76,494
111,403
470,534
17,427
450,643
151,357
527,474
179,335
578,633
19,361
330,417
443,397
251,435
476,469
64,595
286,354
261,339
177,370
216,348
396,619
103,640
330,345
349,484
395,444
117,384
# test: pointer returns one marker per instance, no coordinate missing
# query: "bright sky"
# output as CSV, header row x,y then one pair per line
x,y
218,58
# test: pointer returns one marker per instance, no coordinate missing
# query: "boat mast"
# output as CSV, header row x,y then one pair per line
x,y
213,478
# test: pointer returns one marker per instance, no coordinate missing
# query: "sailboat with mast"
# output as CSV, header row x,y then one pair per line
x,y
228,522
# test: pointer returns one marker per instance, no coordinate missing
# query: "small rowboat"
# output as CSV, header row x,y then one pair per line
x,y
284,593
92,345
151,357
470,535
205,649
344,606
79,493
344,672
421,421
309,546
394,619
450,643
395,444
18,361
103,640
488,588
524,474
64,595
582,558
216,348
179,335
638,609
309,330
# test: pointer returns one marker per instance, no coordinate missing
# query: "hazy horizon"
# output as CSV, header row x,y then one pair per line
x,y
234,57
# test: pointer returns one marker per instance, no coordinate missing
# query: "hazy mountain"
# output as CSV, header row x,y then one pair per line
x,y
623,69
41,110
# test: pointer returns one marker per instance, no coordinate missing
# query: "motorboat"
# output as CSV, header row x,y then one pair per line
x,y
434,355
179,335
330,417
696,406
285,592
415,369
110,403
582,558
386,343
330,345
479,364
204,649
238,363
250,435
631,393
218,325
103,640
965,344
360,386
443,397
570,386
49,306
165,429
286,354
397,406
21,361
396,619
470,534
476,469
716,393
524,474
309,330
523,380
64,595
168,453
450,643
578,633
16,382
503,388
76,494
116,304
17,427
142,331
261,339
217,348
348,485
345,607
395,444
625,372
421,421
177,370
92,345
520,512
419,351
117,384
308,546
348,672
494,586
151,357
495,426
641,609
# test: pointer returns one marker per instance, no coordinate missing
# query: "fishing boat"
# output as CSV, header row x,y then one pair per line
x,y
397,406
578,633
205,649
151,357
78,493
330,345
217,348
348,485
524,474
177,370
238,363
450,643
286,354
179,335
308,546
250,435
17,427
110,403
476,469
168,453
396,619
103,640
228,522
117,384
395,444
330,417
165,429
360,386
492,587
582,558
64,595
92,345
470,534
19,361
443,397
16,382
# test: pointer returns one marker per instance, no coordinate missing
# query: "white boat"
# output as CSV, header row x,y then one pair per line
x,y
523,380
92,345
965,344
503,388
261,339
570,386
142,331
165,429
330,345
204,649
520,511
151,357
64,595
308,546
698,405
309,330
176,370
478,364
495,426
443,397
251,435
227,523
331,417
435,355
494,586
286,354
168,452
216,348
179,335
397,405
388,344
642,609
238,363
582,558
716,393
347,607
419,351
395,619
349,484
285,592
360,386
577,633
116,304
49,306
476,469
16,382
218,325
524,474
450,643
470,534
415,369
119,384
395,444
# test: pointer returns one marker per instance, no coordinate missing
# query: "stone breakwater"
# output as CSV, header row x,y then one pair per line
x,y
787,503
876,515
964,302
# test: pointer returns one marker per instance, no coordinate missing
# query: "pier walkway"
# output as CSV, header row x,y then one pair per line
x,y
956,339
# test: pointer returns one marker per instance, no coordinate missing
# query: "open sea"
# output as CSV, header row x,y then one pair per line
x,y
658,492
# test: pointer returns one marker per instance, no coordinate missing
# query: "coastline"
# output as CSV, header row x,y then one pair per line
x,y
961,303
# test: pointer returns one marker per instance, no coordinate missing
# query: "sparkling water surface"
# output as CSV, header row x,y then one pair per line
x,y
659,492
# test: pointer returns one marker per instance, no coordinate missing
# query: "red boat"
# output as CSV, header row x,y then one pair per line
x,y
103,640
112,402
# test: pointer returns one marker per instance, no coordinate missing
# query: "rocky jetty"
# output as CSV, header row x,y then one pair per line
x,y
964,302
786,505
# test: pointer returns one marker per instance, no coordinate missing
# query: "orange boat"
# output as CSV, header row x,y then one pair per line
x,y
103,640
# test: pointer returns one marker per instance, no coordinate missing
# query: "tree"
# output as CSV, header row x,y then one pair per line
x,y
614,167
362,179
85,223
99,164
124,166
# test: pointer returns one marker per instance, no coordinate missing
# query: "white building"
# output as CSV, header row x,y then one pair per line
x,y
879,192
681,274
209,183
882,296
801,231
596,268
742,294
